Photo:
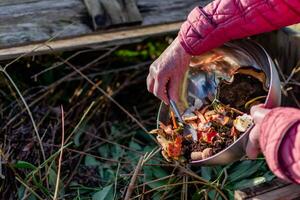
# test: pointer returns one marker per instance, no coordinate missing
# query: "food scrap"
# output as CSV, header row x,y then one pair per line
x,y
218,124
215,126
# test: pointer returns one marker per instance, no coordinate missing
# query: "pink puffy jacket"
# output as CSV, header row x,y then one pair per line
x,y
224,20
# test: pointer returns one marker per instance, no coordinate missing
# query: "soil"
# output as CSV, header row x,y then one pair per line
x,y
240,91
235,95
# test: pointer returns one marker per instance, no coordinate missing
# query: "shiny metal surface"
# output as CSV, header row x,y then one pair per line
x,y
201,81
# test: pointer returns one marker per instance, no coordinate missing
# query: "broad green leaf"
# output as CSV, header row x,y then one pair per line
x,y
32,197
52,177
114,130
24,165
254,181
230,194
117,152
91,161
158,172
156,196
105,193
244,170
21,191
206,173
153,173
213,194
104,150
249,182
109,174
135,146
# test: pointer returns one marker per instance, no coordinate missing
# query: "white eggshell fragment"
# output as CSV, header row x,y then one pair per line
x,y
242,123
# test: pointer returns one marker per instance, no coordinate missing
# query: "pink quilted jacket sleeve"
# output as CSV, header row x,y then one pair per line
x,y
280,142
224,20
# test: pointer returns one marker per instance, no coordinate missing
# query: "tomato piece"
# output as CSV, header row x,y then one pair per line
x,y
200,135
209,136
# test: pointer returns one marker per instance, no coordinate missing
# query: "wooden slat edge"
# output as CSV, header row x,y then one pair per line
x,y
92,40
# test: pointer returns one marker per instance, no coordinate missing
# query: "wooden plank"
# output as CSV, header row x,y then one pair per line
x,y
289,192
91,41
27,21
276,189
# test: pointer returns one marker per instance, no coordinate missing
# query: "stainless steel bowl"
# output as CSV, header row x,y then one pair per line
x,y
201,80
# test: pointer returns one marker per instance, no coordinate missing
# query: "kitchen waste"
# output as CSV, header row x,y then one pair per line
x,y
219,123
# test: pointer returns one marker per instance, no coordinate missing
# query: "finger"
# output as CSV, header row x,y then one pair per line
x,y
252,149
173,89
150,83
256,108
258,113
160,89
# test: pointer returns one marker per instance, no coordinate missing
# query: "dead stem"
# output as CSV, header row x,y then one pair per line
x,y
61,153
133,179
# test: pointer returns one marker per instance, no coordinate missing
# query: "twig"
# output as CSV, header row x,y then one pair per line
x,y
133,179
184,191
61,153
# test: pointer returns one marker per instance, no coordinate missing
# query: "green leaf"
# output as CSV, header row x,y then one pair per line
x,y
246,183
244,170
24,165
31,197
153,173
117,152
135,146
158,172
21,191
52,177
91,161
104,150
206,173
105,193
212,195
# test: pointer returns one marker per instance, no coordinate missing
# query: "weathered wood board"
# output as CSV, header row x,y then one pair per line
x,y
274,190
95,41
27,21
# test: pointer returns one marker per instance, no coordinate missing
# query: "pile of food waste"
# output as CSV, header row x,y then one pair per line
x,y
218,124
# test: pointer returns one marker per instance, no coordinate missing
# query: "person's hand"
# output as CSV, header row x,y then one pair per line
x,y
166,73
258,113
